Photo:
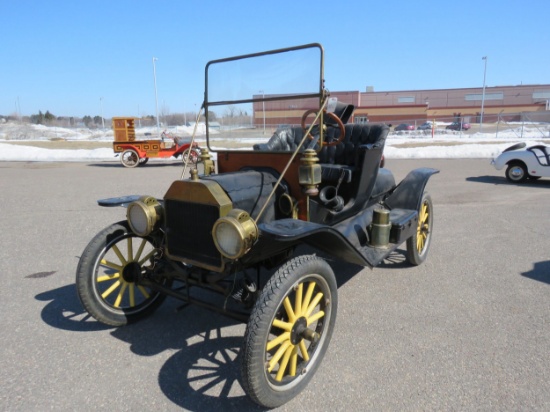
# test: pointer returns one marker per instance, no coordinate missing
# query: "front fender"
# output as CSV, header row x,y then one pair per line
x,y
324,238
408,193
123,201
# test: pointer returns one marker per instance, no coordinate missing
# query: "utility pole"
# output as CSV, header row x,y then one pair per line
x,y
483,94
156,96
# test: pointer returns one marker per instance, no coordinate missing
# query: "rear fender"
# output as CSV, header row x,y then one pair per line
x,y
408,193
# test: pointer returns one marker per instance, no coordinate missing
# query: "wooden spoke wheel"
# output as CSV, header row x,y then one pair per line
x,y
419,244
289,330
129,158
107,277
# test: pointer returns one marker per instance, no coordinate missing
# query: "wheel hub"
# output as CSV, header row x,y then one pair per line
x,y
131,272
517,172
297,332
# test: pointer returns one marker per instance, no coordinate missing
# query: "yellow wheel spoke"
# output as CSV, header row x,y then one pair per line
x,y
289,311
282,325
108,277
140,249
111,264
111,289
313,304
423,228
285,336
284,364
315,317
132,295
303,350
424,213
119,254
143,291
293,361
298,300
147,257
120,295
130,250
309,294
278,355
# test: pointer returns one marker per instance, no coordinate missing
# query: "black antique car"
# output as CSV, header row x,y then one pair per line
x,y
314,184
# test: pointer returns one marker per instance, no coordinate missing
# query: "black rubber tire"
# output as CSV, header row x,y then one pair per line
x,y
418,245
106,266
129,158
516,172
293,280
143,161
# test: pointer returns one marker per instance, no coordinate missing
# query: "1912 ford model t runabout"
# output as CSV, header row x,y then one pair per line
x,y
319,185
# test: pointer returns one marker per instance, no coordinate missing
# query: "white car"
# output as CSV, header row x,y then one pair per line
x,y
524,162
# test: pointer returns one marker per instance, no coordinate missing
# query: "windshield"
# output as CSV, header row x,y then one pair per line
x,y
248,98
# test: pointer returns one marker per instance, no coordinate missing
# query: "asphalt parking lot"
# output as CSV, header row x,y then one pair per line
x,y
467,330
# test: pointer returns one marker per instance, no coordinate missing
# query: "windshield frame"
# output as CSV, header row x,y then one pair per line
x,y
209,105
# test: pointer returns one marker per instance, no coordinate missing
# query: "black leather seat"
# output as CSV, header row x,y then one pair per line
x,y
337,161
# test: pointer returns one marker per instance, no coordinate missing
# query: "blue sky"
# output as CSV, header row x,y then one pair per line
x,y
77,58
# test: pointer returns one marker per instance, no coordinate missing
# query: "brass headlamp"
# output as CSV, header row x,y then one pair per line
x,y
143,215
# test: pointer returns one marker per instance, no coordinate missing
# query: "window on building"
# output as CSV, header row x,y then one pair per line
x,y
488,96
405,99
361,119
541,95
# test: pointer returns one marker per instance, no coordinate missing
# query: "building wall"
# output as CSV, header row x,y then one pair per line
x,y
417,105
448,103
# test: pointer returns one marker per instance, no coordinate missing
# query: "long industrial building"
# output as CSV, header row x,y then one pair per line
x,y
507,103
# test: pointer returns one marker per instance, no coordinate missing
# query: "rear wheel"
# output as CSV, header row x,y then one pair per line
x,y
516,172
129,158
419,244
107,277
289,330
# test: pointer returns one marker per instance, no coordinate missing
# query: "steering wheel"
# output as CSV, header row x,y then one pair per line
x,y
333,117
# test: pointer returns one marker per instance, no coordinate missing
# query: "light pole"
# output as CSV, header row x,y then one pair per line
x,y
263,105
156,96
102,118
483,94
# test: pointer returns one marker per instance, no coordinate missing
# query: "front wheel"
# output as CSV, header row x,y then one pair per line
x,y
108,273
289,330
419,243
192,154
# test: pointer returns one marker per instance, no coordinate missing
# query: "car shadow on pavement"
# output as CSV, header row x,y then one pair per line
x,y
500,180
540,272
64,311
204,372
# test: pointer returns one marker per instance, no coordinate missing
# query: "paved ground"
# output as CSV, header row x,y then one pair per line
x,y
467,330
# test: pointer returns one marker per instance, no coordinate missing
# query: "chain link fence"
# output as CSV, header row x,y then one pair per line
x,y
523,125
